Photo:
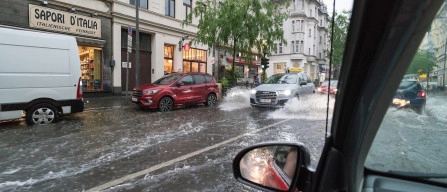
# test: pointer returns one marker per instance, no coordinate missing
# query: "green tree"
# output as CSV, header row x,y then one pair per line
x,y
338,37
422,63
240,26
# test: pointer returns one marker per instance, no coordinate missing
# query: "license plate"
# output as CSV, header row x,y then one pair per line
x,y
400,102
134,99
265,100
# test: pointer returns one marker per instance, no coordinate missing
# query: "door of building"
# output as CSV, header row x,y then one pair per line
x,y
145,69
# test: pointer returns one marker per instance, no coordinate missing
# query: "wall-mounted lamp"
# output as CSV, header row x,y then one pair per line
x,y
72,10
45,2
94,14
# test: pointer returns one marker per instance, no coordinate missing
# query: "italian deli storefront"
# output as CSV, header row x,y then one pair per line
x,y
87,26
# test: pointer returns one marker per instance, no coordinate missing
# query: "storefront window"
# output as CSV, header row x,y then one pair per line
x,y
168,59
91,67
194,60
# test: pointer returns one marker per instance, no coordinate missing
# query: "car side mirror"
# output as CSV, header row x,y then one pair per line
x,y
180,84
274,166
303,83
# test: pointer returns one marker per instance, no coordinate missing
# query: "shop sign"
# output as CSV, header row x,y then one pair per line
x,y
296,69
61,21
186,47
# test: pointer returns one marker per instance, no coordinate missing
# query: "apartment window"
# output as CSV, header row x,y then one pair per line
x,y
310,32
187,4
293,26
279,67
302,25
298,5
280,48
143,3
310,12
301,47
309,51
316,13
320,40
293,46
313,50
170,8
297,46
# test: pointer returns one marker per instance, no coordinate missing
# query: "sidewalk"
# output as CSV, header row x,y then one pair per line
x,y
108,101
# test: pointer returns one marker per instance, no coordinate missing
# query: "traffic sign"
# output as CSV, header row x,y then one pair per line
x,y
129,44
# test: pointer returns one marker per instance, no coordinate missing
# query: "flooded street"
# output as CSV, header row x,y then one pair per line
x,y
115,146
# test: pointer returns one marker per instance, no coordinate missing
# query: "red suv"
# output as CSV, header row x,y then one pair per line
x,y
177,89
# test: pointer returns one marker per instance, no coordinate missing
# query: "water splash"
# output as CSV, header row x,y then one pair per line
x,y
312,107
236,98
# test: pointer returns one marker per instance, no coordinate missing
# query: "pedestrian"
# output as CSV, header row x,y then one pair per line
x,y
256,81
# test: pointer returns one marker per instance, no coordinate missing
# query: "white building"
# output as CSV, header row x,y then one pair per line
x,y
160,31
436,41
306,40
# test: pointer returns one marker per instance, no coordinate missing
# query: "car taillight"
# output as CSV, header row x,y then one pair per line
x,y
79,91
422,94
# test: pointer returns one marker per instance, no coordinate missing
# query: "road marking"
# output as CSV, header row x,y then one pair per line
x,y
170,162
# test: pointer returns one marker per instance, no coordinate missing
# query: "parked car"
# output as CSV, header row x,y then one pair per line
x,y
410,94
40,76
367,146
177,89
323,88
279,88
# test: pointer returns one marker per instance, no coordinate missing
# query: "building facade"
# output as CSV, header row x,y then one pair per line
x,y
88,21
101,28
436,42
307,40
164,42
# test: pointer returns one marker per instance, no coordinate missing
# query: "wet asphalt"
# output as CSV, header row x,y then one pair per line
x,y
187,149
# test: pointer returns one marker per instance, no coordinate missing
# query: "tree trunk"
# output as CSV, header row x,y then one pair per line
x,y
233,79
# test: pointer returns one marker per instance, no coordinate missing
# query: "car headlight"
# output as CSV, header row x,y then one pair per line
x,y
253,91
286,92
151,92
319,89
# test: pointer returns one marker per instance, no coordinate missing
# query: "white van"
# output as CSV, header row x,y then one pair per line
x,y
40,76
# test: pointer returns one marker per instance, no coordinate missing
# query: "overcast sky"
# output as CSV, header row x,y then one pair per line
x,y
340,5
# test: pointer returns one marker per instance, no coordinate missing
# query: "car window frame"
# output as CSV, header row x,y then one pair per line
x,y
385,46
198,77
187,76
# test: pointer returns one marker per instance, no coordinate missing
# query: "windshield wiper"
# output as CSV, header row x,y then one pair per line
x,y
419,175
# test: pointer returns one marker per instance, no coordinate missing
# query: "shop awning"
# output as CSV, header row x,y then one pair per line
x,y
243,62
90,41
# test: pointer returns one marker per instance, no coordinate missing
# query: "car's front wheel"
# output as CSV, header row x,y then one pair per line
x,y
165,104
41,114
211,99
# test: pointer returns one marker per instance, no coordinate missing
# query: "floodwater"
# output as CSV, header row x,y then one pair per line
x,y
188,149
